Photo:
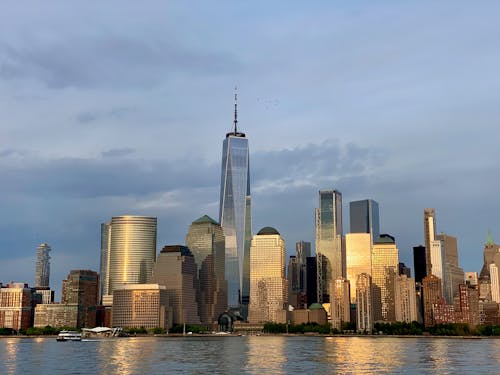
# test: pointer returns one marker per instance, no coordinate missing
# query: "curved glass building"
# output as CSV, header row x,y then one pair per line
x,y
235,217
131,252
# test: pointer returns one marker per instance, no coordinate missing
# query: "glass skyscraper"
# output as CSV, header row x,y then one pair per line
x,y
364,217
42,271
235,216
329,249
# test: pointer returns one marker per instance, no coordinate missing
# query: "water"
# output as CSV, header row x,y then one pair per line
x,y
251,355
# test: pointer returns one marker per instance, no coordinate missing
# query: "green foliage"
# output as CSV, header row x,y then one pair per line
x,y
179,328
489,330
134,331
6,331
299,328
47,330
451,329
158,330
399,328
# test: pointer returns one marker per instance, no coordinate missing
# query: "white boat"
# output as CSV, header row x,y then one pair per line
x,y
69,336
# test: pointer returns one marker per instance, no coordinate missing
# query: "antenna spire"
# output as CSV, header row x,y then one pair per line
x,y
235,110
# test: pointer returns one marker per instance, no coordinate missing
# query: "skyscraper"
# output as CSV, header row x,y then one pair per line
x,y
177,271
429,235
340,302
364,310
385,259
205,239
81,287
432,293
268,284
364,217
104,266
132,251
42,271
330,252
419,263
358,258
405,299
235,216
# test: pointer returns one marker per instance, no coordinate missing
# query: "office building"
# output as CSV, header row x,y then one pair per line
x,y
472,279
235,216
450,248
81,287
429,236
489,252
57,315
131,243
404,270
364,217
268,284
364,310
358,249
43,295
405,299
42,270
431,294
419,263
15,306
303,249
176,269
205,239
454,276
340,303
141,305
385,259
311,281
104,264
330,252
293,277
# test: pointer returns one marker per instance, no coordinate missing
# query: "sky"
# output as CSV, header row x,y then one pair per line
x,y
121,107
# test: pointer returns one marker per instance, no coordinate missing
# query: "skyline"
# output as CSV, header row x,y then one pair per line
x,y
105,115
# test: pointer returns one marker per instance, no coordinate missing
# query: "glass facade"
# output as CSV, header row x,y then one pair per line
x,y
235,217
364,217
132,250
358,257
329,249
104,267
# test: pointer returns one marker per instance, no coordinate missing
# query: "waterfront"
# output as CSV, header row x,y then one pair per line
x,y
251,355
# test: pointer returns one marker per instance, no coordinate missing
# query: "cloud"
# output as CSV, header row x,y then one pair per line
x,y
117,152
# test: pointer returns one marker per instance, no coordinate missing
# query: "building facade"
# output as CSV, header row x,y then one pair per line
x,y
268,284
385,259
42,270
340,303
141,305
15,306
364,310
431,294
419,263
205,239
330,251
177,271
429,236
405,299
364,217
81,287
358,249
131,251
57,315
235,216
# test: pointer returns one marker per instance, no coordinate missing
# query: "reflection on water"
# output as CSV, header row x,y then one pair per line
x,y
265,354
250,355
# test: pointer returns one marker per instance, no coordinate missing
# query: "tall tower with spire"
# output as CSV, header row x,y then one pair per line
x,y
235,215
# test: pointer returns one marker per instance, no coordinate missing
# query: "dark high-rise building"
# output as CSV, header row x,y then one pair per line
x,y
419,263
330,252
364,217
431,294
81,287
235,217
311,277
403,270
205,239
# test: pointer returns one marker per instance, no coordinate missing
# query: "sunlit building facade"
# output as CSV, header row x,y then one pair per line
x,y
358,249
56,315
340,302
429,236
104,265
205,239
405,299
15,306
364,310
330,252
431,294
176,269
235,217
42,270
268,284
132,251
140,305
385,259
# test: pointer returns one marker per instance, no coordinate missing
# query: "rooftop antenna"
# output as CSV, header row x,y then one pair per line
x,y
235,110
